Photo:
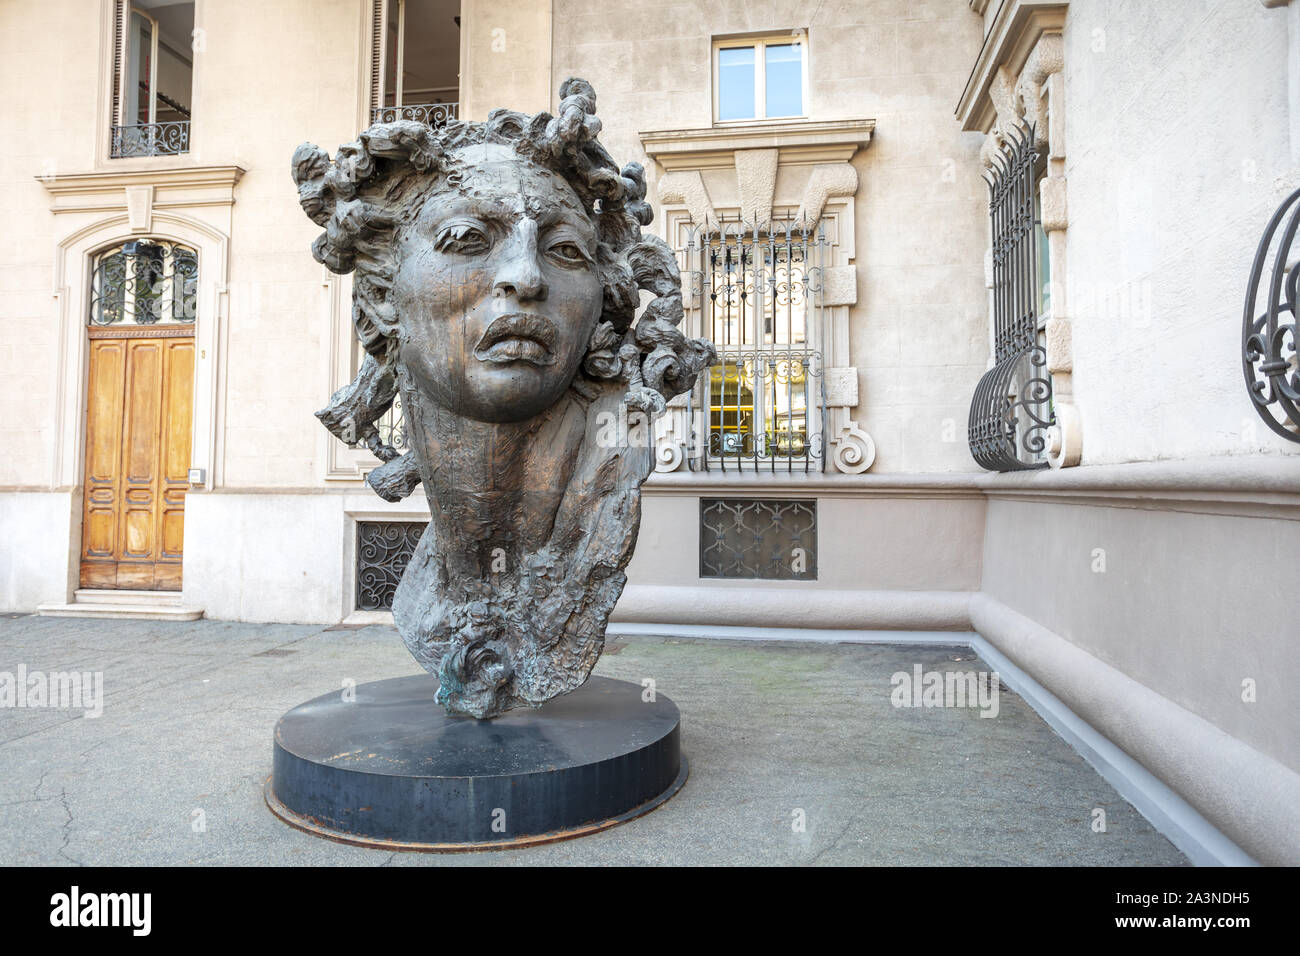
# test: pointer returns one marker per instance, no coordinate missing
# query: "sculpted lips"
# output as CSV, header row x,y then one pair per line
x,y
518,337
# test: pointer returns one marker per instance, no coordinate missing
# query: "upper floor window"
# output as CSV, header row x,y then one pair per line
x,y
759,78
415,61
153,70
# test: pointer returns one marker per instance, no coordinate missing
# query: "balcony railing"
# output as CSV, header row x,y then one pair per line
x,y
151,139
430,114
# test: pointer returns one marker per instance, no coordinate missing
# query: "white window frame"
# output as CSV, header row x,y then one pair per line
x,y
130,93
760,44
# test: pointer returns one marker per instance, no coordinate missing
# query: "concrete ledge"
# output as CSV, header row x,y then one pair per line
x,y
123,612
1239,476
828,485
796,635
1247,795
786,608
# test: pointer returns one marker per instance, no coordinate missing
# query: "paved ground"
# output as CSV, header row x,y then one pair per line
x,y
172,771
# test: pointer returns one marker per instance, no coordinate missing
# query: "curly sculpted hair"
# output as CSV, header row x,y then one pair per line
x,y
373,183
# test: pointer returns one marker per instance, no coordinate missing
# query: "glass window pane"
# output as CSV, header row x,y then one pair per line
x,y
736,83
784,65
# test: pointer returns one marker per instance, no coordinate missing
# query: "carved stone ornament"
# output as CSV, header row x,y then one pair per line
x,y
498,271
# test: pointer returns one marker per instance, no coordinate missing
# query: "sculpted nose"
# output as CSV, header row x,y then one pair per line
x,y
520,272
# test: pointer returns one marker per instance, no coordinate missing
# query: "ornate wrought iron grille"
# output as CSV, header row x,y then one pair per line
x,y
392,427
1268,331
384,549
1011,411
151,139
756,288
430,114
144,282
758,538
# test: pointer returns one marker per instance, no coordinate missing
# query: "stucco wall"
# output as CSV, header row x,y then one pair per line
x,y
1179,149
870,542
52,48
1182,599
263,92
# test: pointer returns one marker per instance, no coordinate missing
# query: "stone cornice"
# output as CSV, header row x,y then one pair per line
x,y
1016,28
800,143
107,191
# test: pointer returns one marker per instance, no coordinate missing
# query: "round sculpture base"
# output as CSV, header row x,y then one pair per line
x,y
390,769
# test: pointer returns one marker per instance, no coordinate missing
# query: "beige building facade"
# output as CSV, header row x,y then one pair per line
x,y
830,175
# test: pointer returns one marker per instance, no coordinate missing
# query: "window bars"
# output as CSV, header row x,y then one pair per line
x,y
384,549
1268,332
755,291
1011,411
392,427
144,282
774,539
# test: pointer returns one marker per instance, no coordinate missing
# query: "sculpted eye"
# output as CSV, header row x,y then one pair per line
x,y
568,253
463,237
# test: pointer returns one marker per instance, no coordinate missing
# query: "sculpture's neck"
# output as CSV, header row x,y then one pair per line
x,y
494,485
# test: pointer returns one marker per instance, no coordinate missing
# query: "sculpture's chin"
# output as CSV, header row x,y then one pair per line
x,y
508,392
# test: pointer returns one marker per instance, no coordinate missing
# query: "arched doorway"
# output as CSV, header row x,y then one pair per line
x,y
139,410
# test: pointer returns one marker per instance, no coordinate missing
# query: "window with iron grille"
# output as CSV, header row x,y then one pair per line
x,y
771,538
1011,411
384,549
153,72
756,291
144,282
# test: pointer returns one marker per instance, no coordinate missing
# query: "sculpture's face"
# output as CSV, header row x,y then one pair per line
x,y
497,291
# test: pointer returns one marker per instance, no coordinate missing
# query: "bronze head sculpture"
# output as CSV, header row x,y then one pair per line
x,y
498,271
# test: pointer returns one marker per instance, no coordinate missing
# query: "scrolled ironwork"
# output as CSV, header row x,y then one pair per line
x,y
430,114
392,428
384,549
756,287
151,139
144,282
1268,332
787,384
773,539
1011,411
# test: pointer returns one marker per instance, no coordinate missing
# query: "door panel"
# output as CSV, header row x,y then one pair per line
x,y
107,382
137,458
174,463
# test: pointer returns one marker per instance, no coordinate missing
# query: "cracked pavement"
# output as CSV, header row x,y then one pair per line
x,y
172,772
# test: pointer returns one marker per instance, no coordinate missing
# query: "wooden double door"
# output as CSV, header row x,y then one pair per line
x,y
139,407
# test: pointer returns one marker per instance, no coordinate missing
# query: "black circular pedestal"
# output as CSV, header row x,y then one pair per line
x,y
390,769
